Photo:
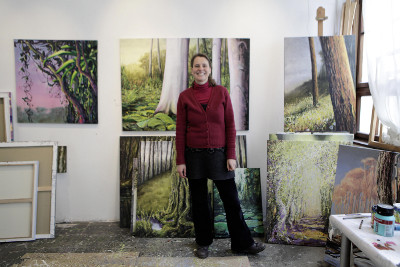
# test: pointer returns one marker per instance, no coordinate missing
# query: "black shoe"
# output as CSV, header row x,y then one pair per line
x,y
253,249
201,252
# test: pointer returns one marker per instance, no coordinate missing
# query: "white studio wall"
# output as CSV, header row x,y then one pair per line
x,y
89,191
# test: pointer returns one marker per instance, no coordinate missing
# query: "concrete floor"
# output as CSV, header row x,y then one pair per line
x,y
107,237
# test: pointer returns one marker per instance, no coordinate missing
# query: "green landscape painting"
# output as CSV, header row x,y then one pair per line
x,y
319,85
155,71
249,188
56,81
300,178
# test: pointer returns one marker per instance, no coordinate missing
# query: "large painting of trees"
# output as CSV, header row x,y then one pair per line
x,y
56,81
154,200
320,84
364,177
299,191
155,71
249,189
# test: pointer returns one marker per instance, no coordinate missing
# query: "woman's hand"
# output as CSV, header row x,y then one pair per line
x,y
181,169
231,164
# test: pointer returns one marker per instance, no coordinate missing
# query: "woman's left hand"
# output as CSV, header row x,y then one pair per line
x,y
231,164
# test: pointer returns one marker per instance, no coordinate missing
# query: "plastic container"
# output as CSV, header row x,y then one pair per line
x,y
384,220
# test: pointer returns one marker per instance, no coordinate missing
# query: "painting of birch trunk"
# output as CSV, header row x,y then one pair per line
x,y
154,200
320,84
299,191
155,71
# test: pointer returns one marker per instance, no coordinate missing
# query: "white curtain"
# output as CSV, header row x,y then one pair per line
x,y
382,44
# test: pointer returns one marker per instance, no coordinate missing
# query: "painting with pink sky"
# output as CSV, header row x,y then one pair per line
x,y
56,81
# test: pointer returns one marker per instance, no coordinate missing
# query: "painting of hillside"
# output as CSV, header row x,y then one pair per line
x,y
320,84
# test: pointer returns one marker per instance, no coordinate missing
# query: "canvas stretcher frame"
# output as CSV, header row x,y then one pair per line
x,y
5,117
46,154
19,193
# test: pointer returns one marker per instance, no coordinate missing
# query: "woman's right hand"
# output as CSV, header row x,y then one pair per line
x,y
181,169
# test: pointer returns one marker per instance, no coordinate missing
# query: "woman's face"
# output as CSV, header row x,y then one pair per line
x,y
201,70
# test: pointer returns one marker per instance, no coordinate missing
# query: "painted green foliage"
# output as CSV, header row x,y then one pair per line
x,y
249,190
70,71
299,191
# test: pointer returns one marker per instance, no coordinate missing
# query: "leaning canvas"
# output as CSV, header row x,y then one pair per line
x,y
6,118
320,84
248,184
154,71
56,81
300,177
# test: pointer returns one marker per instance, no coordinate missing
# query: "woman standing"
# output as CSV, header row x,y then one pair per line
x,y
205,148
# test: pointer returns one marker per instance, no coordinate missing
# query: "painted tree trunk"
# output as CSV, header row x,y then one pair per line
x,y
238,56
175,74
150,58
216,60
385,171
341,85
314,71
159,57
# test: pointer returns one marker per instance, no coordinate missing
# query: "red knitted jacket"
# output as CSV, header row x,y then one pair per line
x,y
198,128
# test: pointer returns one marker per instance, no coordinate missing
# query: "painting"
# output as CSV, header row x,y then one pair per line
x,y
155,71
364,177
300,178
319,85
56,81
6,119
46,154
154,200
319,136
18,200
249,189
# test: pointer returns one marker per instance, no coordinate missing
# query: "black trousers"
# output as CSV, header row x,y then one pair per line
x,y
203,217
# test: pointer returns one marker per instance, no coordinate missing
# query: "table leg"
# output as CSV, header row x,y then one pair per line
x,y
345,250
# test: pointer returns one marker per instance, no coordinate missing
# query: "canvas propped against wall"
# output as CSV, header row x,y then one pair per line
x,y
154,72
6,123
320,91
154,200
56,81
299,189
249,189
18,200
46,154
364,177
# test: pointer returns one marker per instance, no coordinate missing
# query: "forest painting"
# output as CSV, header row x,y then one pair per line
x,y
307,136
154,200
155,71
299,191
249,188
320,91
56,81
364,177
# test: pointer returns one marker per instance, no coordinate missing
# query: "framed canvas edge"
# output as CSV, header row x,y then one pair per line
x,y
7,97
53,179
35,165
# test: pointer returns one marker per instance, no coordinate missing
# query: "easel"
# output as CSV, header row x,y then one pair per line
x,y
320,18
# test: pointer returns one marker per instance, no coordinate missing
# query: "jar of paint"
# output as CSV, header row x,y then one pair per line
x,y
384,220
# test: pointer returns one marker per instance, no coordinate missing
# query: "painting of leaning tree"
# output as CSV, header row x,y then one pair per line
x,y
56,81
249,190
300,177
155,71
154,200
320,84
364,177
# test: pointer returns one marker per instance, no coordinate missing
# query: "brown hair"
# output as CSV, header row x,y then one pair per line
x,y
211,81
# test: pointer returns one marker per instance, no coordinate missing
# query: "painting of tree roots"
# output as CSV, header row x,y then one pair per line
x,y
154,200
320,84
155,71
249,188
364,177
56,81
299,191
